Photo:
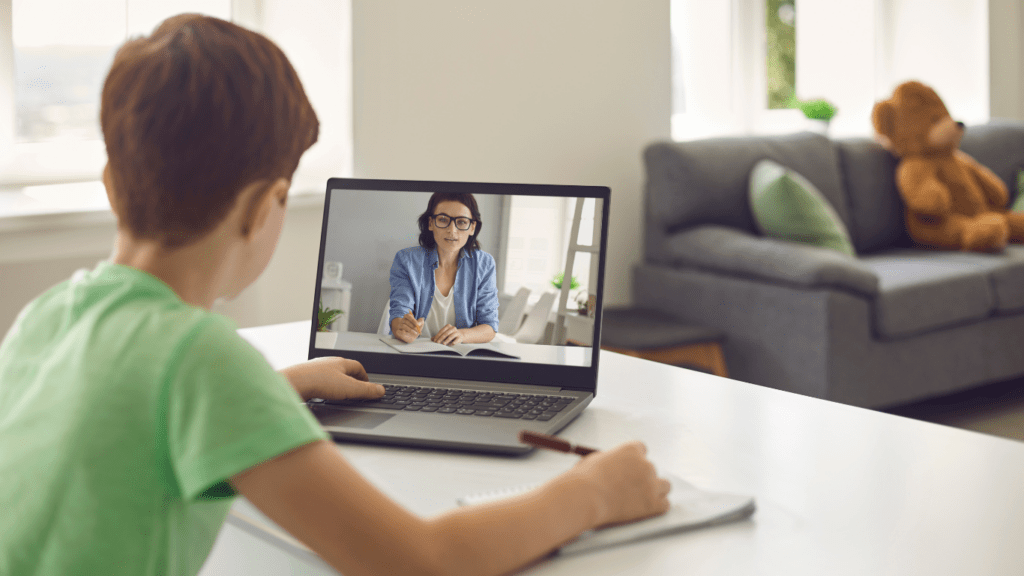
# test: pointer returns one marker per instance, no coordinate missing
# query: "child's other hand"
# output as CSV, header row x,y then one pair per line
x,y
626,483
331,378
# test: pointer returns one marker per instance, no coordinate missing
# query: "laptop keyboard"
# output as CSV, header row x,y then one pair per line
x,y
463,402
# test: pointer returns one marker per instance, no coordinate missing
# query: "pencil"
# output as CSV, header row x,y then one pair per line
x,y
539,440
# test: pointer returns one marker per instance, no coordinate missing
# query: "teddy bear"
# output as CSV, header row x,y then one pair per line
x,y
951,201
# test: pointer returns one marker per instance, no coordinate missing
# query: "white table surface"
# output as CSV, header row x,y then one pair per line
x,y
840,490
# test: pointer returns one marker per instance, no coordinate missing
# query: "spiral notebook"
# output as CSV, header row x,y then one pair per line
x,y
691,508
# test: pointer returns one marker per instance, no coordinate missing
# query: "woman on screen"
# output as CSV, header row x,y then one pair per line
x,y
445,288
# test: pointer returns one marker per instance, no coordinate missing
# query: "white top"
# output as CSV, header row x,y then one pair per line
x,y
441,312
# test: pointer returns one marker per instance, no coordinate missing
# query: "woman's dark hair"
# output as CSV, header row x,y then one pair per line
x,y
467,200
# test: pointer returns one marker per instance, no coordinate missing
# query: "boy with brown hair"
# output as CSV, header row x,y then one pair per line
x,y
130,415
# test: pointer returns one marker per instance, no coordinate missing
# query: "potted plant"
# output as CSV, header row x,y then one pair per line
x,y
324,317
557,281
820,110
574,285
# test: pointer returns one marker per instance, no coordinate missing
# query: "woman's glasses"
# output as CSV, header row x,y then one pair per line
x,y
443,220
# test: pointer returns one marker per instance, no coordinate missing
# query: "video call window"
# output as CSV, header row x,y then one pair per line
x,y
514,251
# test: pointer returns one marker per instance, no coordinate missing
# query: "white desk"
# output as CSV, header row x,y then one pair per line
x,y
530,353
840,490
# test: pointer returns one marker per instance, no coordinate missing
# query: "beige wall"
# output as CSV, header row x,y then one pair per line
x,y
1006,58
564,92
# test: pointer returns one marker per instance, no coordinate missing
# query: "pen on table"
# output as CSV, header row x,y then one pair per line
x,y
549,442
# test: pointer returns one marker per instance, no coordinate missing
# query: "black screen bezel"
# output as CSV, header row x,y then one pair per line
x,y
569,377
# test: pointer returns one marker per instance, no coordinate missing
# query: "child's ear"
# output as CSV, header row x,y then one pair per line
x,y
108,185
261,200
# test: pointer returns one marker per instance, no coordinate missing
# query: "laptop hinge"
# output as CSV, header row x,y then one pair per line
x,y
423,381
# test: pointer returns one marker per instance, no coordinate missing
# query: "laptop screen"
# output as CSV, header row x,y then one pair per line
x,y
405,265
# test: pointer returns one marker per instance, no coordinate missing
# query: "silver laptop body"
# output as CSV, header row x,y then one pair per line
x,y
366,222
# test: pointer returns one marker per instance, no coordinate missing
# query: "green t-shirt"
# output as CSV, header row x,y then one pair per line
x,y
123,412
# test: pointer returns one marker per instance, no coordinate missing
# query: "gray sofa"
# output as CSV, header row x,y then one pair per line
x,y
892,325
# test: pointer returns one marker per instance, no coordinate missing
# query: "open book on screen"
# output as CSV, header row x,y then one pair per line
x,y
425,346
691,508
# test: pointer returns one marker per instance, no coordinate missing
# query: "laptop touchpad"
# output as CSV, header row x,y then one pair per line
x,y
349,418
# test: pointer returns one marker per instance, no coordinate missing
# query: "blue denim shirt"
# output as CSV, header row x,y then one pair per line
x,y
476,289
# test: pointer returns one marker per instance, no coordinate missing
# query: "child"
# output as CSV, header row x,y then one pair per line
x,y
130,415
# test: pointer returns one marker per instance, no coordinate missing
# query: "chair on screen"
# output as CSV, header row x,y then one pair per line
x,y
512,317
383,329
532,330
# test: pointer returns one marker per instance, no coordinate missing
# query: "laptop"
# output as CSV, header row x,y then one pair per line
x,y
538,373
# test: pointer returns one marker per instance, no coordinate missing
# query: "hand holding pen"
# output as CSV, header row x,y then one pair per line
x,y
407,328
628,487
549,442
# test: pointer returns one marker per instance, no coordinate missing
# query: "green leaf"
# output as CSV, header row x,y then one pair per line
x,y
325,316
816,109
557,281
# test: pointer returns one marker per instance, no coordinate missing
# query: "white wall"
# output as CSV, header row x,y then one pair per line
x,y
565,92
943,43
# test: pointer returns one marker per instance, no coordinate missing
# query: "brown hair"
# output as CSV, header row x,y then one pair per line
x,y
191,115
427,237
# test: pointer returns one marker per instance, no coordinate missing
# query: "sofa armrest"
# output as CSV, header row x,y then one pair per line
x,y
738,253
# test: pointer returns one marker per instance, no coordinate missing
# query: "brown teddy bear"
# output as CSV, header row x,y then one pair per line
x,y
952,201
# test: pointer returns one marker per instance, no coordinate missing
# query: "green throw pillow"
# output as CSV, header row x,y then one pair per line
x,y
1018,205
787,206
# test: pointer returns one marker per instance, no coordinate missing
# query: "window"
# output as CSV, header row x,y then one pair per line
x,y
60,62
735,60
780,28
60,51
538,242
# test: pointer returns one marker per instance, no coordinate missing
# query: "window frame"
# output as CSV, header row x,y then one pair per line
x,y
748,102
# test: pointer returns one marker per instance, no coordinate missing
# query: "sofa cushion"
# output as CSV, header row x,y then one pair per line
x,y
999,145
1005,272
706,181
788,207
876,209
921,291
1008,280
731,252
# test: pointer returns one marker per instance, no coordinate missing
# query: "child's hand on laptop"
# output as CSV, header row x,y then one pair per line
x,y
331,378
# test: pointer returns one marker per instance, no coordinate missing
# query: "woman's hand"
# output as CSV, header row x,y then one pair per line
x,y
331,378
407,328
626,483
449,336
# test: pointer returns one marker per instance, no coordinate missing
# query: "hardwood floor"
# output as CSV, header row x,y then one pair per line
x,y
996,409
